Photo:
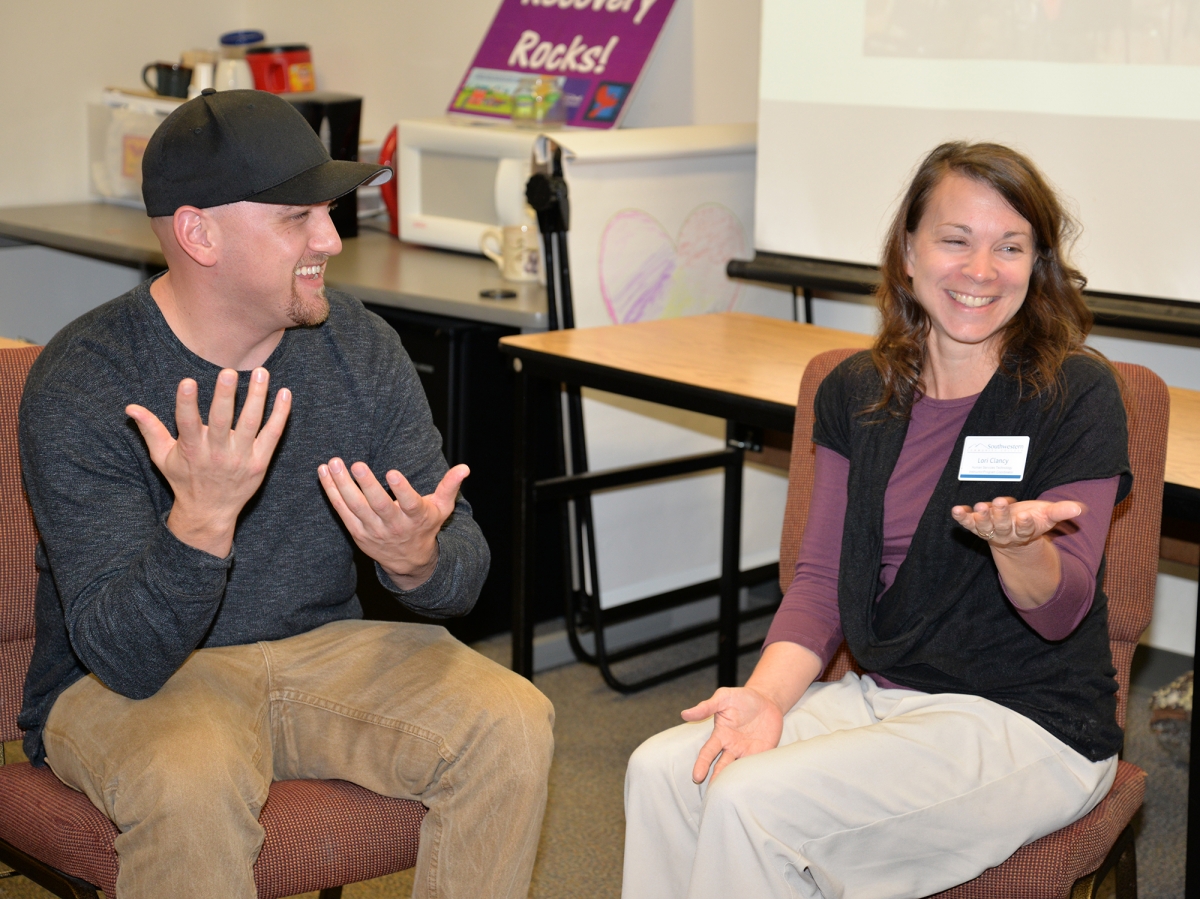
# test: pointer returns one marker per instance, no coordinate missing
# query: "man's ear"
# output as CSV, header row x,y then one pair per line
x,y
196,233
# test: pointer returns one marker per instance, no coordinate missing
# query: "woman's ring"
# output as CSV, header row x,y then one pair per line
x,y
989,535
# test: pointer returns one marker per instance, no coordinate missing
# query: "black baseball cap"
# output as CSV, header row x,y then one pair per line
x,y
228,146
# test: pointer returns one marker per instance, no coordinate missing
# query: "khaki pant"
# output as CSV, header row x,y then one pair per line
x,y
404,710
871,794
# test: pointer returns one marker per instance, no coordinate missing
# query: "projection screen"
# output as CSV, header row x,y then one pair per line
x,y
1103,94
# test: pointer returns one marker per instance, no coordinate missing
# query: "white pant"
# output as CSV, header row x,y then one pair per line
x,y
872,793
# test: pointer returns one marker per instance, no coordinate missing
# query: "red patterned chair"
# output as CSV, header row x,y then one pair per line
x,y
319,834
1073,861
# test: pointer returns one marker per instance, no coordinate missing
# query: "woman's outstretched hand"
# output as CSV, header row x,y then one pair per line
x,y
1008,524
1019,536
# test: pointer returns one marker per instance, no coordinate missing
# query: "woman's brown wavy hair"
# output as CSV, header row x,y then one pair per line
x,y
1051,324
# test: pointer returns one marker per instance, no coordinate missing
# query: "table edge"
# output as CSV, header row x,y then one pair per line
x,y
725,404
119,253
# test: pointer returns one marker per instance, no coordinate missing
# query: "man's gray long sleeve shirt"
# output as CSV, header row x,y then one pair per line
x,y
119,595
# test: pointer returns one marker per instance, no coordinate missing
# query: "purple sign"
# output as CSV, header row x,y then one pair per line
x,y
572,62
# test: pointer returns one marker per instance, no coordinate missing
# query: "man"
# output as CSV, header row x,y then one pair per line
x,y
198,634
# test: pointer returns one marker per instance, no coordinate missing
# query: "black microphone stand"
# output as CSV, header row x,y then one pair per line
x,y
546,191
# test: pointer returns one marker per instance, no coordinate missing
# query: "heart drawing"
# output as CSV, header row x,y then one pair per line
x,y
646,275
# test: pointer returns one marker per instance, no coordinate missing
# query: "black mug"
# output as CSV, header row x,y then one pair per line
x,y
170,79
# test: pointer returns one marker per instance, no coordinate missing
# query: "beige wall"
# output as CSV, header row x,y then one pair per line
x,y
403,56
725,61
92,45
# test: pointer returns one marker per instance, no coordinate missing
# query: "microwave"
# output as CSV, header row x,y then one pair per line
x,y
459,178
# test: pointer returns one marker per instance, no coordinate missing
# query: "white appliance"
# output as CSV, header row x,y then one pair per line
x,y
457,179
118,131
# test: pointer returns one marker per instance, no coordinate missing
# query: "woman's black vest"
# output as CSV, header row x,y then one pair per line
x,y
945,626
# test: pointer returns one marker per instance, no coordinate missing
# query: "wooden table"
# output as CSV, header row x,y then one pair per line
x,y
761,360
743,368
1183,440
753,362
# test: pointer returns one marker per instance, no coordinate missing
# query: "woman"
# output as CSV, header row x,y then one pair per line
x,y
988,716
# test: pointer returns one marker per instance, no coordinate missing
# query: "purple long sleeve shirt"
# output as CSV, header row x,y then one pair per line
x,y
809,614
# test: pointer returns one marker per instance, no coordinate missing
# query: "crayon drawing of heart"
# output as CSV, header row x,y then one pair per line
x,y
645,275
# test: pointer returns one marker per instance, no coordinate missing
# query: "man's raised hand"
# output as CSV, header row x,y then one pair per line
x,y
400,534
214,468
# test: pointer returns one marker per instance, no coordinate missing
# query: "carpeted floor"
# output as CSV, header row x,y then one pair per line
x,y
596,729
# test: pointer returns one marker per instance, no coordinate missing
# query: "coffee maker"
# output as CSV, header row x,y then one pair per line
x,y
336,118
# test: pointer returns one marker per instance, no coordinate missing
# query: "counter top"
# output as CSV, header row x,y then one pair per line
x,y
378,268
374,266
112,233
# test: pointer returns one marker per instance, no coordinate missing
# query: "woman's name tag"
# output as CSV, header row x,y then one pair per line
x,y
993,459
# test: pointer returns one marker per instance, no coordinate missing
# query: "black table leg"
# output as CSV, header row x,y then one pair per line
x,y
524,524
1192,881
731,552
1183,503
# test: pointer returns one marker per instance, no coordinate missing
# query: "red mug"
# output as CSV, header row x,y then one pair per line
x,y
282,69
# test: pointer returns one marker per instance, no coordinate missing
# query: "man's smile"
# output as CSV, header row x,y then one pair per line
x,y
309,271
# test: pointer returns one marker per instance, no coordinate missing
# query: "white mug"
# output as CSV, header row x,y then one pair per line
x,y
517,249
233,74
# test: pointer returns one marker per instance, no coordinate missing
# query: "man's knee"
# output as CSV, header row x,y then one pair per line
x,y
525,720
505,732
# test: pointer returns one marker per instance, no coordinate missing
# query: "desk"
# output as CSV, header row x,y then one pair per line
x,y
1183,446
743,368
374,266
747,370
